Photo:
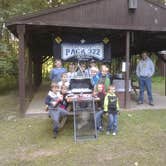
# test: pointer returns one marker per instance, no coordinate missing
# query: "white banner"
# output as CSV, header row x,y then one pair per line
x,y
82,51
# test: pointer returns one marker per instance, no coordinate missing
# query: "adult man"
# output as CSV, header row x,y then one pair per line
x,y
145,70
56,72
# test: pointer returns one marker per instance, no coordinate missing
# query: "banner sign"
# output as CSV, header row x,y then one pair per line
x,y
82,51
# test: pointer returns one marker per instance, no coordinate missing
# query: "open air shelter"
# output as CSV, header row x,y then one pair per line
x,y
130,26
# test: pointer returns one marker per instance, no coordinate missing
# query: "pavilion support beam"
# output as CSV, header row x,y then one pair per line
x,y
165,75
30,79
127,94
37,72
21,36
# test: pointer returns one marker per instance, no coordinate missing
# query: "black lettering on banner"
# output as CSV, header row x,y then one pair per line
x,y
73,52
98,51
93,51
89,51
82,52
67,52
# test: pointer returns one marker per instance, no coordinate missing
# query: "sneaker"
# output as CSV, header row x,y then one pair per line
x,y
140,102
108,133
55,135
113,133
101,129
151,103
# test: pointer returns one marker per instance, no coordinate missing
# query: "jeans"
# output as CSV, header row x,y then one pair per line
x,y
112,122
56,114
98,117
145,82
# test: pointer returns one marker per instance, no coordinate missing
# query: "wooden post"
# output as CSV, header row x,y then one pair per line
x,y
127,95
30,85
165,75
21,32
37,72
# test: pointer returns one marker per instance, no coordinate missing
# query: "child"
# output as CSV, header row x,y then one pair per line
x,y
100,106
64,103
88,70
94,76
104,79
81,71
70,73
57,71
53,100
111,106
64,80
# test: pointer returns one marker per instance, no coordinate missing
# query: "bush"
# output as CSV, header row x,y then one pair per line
x,y
8,66
7,83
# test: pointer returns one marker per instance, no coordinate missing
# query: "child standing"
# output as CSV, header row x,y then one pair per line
x,y
64,103
57,71
104,79
64,81
94,76
71,70
111,106
53,100
100,106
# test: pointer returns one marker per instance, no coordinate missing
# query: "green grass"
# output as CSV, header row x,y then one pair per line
x,y
29,142
158,85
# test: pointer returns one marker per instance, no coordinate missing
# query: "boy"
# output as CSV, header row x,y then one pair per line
x,y
101,95
57,71
94,76
111,106
104,79
53,100
64,81
65,102
71,70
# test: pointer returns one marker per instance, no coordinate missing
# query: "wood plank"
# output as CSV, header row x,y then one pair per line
x,y
127,95
21,32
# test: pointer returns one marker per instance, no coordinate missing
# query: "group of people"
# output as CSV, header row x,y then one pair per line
x,y
57,100
63,76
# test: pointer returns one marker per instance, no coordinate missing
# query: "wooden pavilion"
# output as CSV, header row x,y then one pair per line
x,y
129,25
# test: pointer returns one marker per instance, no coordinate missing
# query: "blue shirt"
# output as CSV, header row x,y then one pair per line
x,y
56,74
95,79
145,68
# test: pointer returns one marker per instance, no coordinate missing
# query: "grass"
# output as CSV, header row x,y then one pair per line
x,y
29,142
158,85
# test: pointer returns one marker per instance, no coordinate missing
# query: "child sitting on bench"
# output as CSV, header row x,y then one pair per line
x,y
53,100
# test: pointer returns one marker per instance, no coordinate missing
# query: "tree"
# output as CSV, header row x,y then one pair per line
x,y
8,48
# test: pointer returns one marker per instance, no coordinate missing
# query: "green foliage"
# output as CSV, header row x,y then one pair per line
x,y
46,68
8,48
8,66
8,60
7,84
